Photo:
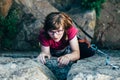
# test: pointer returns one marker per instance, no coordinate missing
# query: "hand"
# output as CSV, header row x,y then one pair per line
x,y
42,57
63,61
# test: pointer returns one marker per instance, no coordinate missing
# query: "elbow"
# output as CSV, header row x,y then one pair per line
x,y
78,55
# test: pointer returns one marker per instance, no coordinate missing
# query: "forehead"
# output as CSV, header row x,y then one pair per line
x,y
60,28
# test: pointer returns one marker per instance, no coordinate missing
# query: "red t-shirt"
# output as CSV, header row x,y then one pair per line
x,y
71,33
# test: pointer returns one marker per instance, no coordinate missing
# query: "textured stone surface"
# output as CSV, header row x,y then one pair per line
x,y
5,6
23,69
59,72
95,68
108,25
92,68
31,17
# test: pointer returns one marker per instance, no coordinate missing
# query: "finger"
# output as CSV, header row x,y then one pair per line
x,y
67,59
43,59
59,63
49,56
58,59
40,58
62,62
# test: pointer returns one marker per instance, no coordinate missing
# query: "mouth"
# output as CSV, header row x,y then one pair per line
x,y
55,38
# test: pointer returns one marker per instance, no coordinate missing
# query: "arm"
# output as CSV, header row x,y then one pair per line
x,y
45,52
73,56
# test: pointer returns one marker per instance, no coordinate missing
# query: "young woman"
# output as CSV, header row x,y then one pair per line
x,y
58,38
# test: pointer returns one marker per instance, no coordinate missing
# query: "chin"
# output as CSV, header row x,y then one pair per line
x,y
57,40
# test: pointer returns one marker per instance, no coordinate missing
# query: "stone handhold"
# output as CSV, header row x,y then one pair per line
x,y
23,69
94,68
59,72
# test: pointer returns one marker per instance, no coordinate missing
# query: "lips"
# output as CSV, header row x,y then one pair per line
x,y
55,38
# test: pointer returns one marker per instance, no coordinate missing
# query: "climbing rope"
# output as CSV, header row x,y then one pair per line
x,y
94,47
107,61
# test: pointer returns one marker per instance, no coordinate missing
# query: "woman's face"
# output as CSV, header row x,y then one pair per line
x,y
56,35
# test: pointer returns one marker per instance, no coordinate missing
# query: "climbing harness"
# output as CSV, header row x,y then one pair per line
x,y
107,62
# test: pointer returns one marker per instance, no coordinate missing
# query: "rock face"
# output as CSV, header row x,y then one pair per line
x,y
92,68
59,72
95,68
5,5
85,20
23,69
31,18
33,12
24,62
108,26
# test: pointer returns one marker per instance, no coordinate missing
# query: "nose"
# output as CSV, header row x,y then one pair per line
x,y
54,35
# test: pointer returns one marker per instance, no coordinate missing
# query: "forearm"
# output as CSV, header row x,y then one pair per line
x,y
45,50
44,53
73,56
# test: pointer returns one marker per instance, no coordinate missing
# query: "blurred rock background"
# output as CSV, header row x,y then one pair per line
x,y
20,21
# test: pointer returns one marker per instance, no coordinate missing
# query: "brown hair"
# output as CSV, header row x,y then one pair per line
x,y
55,20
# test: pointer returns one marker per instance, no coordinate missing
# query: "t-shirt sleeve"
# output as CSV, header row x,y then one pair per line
x,y
72,32
42,39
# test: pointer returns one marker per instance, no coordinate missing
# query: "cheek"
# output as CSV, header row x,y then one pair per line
x,y
61,35
50,35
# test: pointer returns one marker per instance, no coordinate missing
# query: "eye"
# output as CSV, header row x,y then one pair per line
x,y
59,31
51,31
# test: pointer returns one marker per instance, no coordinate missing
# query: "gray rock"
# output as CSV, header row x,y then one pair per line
x,y
95,68
59,72
23,69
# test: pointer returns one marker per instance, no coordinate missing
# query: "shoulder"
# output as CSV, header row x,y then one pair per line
x,y
72,29
72,32
41,34
42,38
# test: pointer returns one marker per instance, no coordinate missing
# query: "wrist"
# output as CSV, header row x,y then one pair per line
x,y
68,57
